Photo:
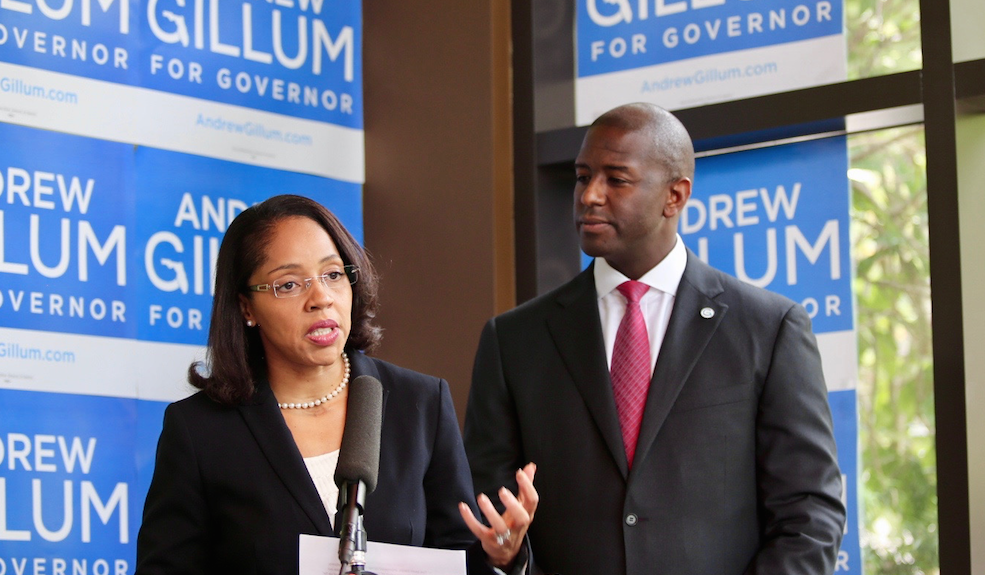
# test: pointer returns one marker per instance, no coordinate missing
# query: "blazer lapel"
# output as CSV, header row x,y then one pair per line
x,y
275,440
271,433
577,334
688,333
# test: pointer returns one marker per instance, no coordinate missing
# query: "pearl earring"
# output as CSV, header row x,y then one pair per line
x,y
249,323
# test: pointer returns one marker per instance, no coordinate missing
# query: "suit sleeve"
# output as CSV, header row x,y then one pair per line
x,y
492,436
799,482
447,481
173,535
492,440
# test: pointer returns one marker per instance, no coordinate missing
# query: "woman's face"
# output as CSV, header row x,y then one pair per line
x,y
309,330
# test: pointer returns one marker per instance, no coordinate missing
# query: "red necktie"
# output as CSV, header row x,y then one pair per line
x,y
630,370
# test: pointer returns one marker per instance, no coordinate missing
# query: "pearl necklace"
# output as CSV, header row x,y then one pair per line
x,y
326,398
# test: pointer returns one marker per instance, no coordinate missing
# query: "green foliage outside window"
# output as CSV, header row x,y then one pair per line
x,y
895,389
883,37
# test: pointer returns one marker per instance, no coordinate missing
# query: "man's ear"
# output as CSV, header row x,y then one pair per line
x,y
677,197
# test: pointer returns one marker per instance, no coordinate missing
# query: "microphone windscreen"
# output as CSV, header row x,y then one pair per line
x,y
359,456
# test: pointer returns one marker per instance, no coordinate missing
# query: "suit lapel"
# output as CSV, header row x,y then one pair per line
x,y
688,333
271,433
577,334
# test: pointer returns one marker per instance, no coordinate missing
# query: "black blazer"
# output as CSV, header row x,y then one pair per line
x,y
231,493
735,469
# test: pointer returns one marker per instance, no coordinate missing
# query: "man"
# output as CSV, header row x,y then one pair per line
x,y
680,422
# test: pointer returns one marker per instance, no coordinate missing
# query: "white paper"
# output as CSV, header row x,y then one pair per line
x,y
320,556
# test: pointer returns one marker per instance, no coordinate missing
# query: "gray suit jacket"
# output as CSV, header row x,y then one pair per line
x,y
735,468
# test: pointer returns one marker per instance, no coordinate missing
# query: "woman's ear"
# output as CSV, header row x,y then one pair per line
x,y
246,308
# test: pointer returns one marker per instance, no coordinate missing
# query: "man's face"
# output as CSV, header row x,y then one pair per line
x,y
624,202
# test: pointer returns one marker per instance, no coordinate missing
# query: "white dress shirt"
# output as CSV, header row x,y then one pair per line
x,y
656,304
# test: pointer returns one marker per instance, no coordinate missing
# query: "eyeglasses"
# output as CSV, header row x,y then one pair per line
x,y
290,287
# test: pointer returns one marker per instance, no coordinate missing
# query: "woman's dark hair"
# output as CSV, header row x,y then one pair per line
x,y
235,352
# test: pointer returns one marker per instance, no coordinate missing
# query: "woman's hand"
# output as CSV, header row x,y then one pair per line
x,y
503,538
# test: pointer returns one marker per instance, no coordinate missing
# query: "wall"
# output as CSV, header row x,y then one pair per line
x,y
438,194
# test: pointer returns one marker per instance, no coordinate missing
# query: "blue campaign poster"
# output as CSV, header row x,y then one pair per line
x,y
685,53
96,40
107,246
65,210
298,58
295,57
184,204
616,35
778,218
844,412
97,238
69,500
107,253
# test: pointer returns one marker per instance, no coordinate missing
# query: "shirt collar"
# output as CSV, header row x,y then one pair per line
x,y
665,276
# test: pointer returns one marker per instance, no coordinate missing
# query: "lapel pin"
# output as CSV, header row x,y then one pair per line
x,y
707,313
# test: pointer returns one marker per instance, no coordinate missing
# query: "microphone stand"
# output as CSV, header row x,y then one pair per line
x,y
352,543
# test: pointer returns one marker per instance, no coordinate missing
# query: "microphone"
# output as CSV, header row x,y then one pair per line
x,y
358,468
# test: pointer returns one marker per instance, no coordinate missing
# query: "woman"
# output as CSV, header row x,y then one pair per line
x,y
247,464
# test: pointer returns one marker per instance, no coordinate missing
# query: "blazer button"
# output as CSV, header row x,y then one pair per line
x,y
631,519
